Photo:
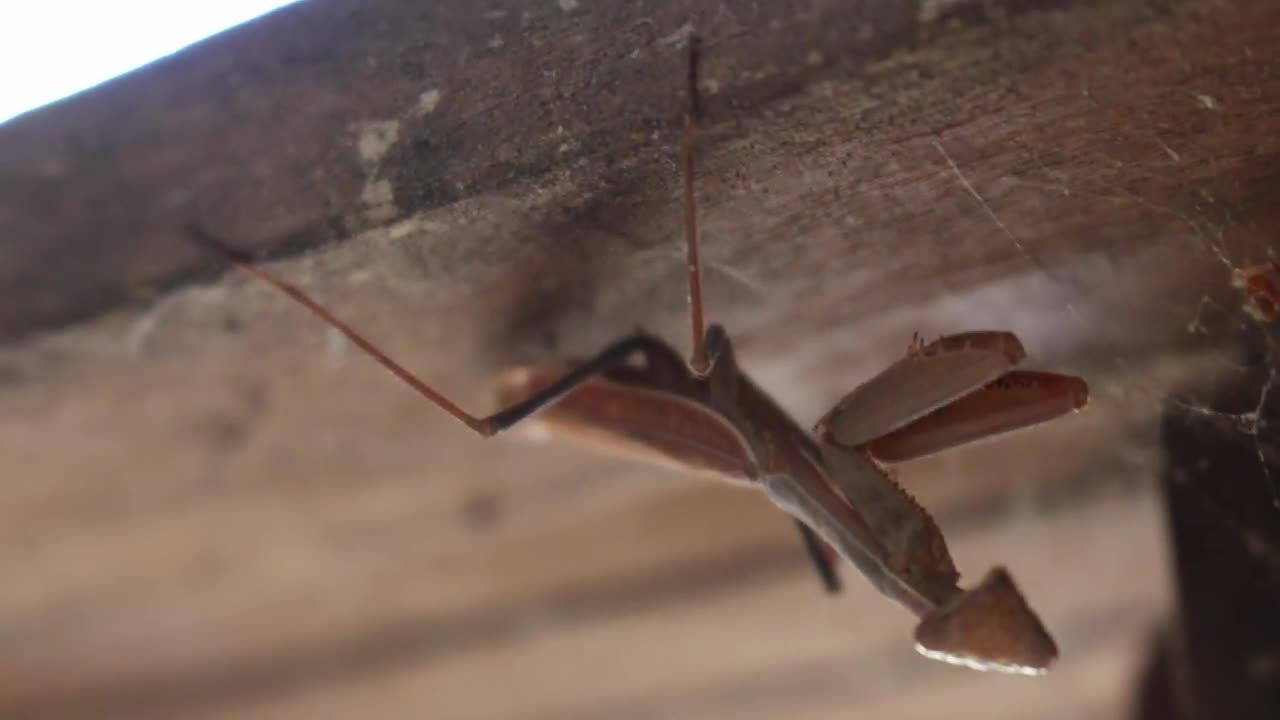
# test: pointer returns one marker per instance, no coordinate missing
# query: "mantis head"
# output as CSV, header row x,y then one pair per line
x,y
989,627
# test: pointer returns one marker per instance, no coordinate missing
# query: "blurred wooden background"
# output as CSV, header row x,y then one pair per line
x,y
212,507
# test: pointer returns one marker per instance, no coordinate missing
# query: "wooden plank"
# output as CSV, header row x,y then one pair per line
x,y
743,605
774,648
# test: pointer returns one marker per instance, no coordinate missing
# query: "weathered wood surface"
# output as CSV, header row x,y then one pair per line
x,y
209,507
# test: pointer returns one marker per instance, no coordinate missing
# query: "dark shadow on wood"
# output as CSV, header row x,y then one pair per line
x,y
1221,656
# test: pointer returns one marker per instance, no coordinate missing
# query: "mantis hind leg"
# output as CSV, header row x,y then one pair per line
x,y
612,356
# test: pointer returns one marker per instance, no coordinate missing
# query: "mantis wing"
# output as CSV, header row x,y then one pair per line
x,y
662,428
629,420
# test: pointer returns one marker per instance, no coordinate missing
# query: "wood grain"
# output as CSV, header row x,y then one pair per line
x,y
209,507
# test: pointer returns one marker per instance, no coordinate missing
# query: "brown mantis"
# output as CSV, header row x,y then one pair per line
x,y
638,395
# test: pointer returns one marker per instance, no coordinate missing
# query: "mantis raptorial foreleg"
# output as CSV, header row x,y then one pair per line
x,y
613,355
928,378
1013,401
957,390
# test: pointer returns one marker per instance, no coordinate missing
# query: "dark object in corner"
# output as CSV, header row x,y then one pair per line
x,y
1220,656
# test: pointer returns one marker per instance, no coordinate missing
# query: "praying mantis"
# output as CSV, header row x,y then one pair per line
x,y
638,396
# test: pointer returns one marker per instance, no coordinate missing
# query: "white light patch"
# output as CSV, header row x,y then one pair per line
x,y
50,50
428,101
534,431
375,138
981,665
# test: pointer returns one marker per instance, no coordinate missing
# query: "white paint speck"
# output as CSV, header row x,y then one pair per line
x,y
568,5
681,34
413,226
428,101
1169,151
375,138
495,42
377,192
1206,101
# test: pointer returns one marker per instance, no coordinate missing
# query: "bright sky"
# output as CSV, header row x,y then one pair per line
x,y
52,48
